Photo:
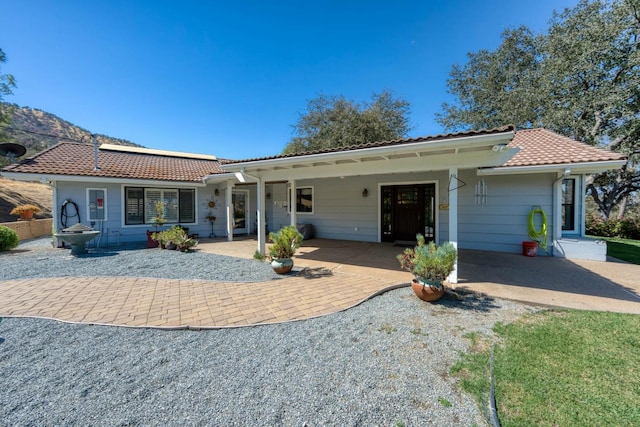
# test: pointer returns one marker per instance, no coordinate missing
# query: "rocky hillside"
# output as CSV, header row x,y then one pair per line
x,y
38,130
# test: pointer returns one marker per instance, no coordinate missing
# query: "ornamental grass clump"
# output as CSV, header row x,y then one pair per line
x,y
428,261
8,238
21,209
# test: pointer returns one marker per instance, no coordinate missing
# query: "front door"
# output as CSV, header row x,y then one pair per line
x,y
240,201
408,210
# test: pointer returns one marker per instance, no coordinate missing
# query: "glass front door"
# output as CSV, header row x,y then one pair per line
x,y
240,201
408,210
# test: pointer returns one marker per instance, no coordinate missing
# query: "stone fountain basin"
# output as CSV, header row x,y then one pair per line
x,y
77,236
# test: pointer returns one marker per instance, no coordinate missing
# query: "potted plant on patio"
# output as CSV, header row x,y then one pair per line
x,y
285,244
25,211
431,265
157,222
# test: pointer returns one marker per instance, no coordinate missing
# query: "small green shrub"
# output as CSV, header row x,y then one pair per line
x,y
8,238
257,255
175,236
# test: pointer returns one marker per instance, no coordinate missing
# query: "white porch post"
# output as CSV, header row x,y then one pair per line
x,y
557,211
261,215
453,217
229,204
292,202
583,205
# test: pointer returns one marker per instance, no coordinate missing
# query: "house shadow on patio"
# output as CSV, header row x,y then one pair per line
x,y
551,280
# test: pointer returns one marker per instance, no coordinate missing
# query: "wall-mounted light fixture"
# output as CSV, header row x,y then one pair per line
x,y
365,192
499,148
216,192
268,196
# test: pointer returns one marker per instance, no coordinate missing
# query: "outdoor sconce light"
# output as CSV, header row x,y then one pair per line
x,y
365,192
216,192
268,196
499,148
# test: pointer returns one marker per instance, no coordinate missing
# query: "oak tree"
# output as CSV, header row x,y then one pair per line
x,y
334,121
581,79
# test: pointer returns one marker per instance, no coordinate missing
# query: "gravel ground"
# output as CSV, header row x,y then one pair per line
x,y
385,363
36,258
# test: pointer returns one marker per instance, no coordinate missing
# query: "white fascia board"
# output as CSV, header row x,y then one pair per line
x,y
466,160
97,179
425,146
219,177
592,167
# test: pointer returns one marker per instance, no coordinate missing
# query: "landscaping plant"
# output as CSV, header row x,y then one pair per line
x,y
285,242
8,238
429,261
175,236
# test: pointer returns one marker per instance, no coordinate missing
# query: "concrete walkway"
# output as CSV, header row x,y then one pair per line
x,y
334,275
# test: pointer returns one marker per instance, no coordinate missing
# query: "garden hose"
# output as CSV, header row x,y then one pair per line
x,y
539,236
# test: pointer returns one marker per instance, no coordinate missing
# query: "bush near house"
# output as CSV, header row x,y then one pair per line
x,y
8,238
626,228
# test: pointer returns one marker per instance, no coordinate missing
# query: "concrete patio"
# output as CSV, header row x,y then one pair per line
x,y
333,275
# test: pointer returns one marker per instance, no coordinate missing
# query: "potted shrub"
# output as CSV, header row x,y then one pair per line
x,y
431,265
25,211
157,222
285,244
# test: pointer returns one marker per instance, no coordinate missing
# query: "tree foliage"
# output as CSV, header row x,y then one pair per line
x,y
333,121
580,79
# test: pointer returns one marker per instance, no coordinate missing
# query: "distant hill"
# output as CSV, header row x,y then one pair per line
x,y
38,130
30,128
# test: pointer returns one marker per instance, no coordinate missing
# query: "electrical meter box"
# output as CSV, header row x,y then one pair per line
x,y
97,204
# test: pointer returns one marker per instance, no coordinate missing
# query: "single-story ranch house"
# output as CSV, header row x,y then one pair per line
x,y
473,188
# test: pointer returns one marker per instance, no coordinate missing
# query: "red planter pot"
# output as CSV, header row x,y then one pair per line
x,y
427,292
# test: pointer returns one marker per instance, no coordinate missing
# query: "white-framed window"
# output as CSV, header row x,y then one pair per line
x,y
140,205
304,200
97,204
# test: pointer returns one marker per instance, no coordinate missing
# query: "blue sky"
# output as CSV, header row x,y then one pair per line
x,y
230,78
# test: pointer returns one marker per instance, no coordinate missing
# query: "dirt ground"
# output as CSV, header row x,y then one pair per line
x,y
13,193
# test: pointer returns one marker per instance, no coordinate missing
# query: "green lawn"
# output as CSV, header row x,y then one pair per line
x,y
624,249
560,368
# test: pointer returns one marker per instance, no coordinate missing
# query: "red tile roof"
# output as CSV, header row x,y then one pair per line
x,y
539,147
74,159
544,147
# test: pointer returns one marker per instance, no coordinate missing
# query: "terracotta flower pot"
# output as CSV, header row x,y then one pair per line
x,y
427,292
26,215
